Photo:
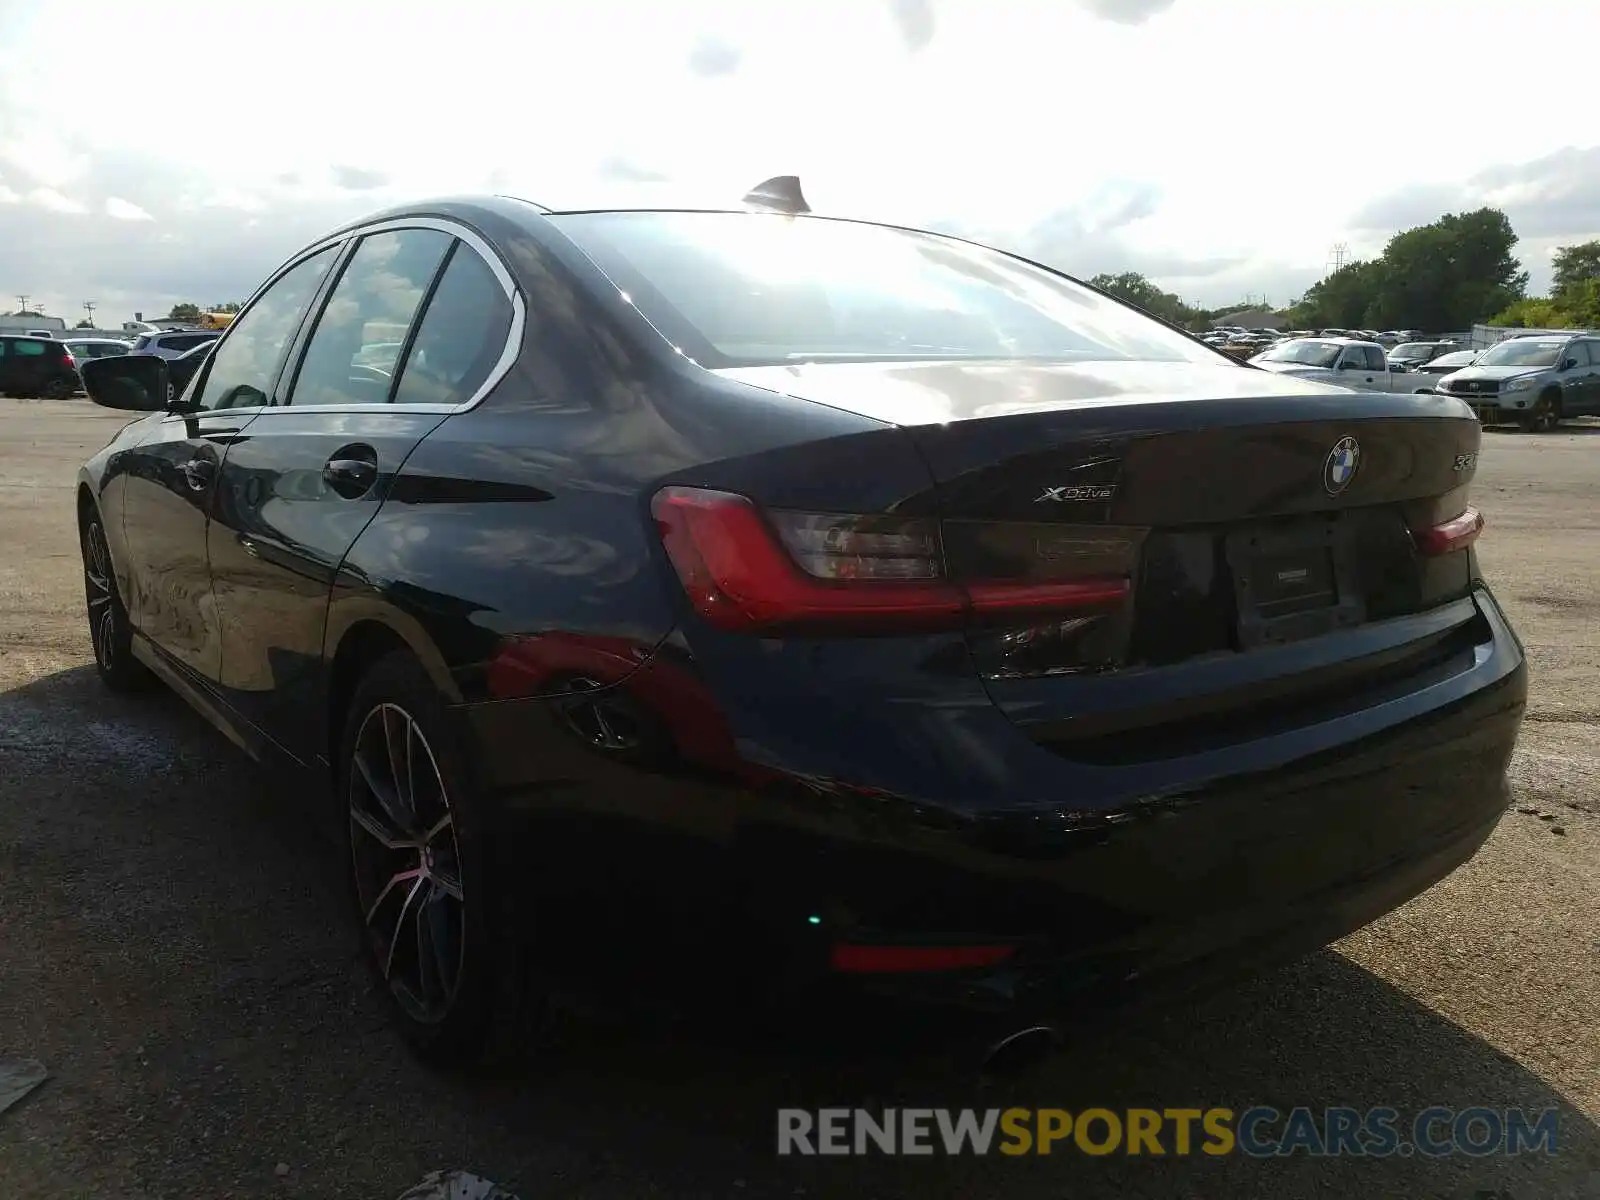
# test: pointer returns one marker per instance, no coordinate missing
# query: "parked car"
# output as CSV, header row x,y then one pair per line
x,y
85,348
1533,380
1342,361
756,593
1447,364
36,366
170,343
1413,355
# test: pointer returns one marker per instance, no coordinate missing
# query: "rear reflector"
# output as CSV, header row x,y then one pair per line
x,y
1455,534
750,571
890,960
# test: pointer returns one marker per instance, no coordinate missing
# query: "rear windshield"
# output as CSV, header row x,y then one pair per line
x,y
748,289
1412,350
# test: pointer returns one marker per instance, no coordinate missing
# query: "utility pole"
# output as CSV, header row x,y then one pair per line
x,y
89,307
1337,258
22,304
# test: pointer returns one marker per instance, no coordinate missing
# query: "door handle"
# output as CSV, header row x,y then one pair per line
x,y
350,477
199,472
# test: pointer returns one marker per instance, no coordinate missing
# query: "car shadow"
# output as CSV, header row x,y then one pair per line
x,y
189,972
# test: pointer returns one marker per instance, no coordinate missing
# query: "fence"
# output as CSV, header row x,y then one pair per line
x,y
1484,336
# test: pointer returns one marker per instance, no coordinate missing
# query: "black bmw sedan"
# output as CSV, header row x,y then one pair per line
x,y
804,598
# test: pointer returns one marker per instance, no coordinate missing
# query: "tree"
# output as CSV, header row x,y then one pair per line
x,y
1340,300
84,324
1442,276
1536,312
1576,307
1574,266
184,312
230,307
1450,274
1138,291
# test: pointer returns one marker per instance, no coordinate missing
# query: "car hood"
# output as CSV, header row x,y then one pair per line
x,y
936,392
1497,373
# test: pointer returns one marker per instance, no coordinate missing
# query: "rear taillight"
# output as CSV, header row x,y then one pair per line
x,y
1455,534
71,362
754,571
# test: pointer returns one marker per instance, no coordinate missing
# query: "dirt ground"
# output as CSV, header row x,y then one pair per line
x,y
173,946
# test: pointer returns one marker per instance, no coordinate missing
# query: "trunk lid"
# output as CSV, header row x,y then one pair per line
x,y
1246,510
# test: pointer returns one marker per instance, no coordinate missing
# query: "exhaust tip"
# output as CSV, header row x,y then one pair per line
x,y
1021,1051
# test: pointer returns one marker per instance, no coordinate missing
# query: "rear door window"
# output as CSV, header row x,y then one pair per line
x,y
462,336
1375,359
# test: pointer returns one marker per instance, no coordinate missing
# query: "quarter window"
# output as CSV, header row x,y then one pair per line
x,y
462,335
353,354
28,347
245,363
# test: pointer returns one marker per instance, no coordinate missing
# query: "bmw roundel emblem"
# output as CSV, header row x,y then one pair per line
x,y
1341,464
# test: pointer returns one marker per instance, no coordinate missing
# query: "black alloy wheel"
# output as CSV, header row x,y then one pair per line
x,y
447,948
110,632
407,863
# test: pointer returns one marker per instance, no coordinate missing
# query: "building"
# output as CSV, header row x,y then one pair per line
x,y
14,324
1252,318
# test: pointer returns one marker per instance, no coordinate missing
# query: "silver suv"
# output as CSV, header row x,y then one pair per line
x,y
1532,380
169,343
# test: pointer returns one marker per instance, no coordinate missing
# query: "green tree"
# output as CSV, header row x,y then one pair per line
x,y
230,307
1450,274
1442,276
184,312
1341,300
84,324
1575,266
1533,313
1138,291
1577,306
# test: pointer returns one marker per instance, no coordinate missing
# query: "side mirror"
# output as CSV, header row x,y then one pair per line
x,y
1568,364
129,382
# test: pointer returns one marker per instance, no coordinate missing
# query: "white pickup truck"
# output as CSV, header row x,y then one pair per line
x,y
1361,366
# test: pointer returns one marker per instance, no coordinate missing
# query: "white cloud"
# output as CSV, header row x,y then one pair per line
x,y
1200,138
122,210
55,201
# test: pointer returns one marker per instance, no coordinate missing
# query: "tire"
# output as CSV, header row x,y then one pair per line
x,y
425,867
1544,416
110,631
59,389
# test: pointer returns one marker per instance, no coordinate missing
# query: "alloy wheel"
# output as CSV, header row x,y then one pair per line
x,y
407,863
99,589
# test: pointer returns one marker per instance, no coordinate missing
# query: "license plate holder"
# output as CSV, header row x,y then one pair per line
x,y
1291,583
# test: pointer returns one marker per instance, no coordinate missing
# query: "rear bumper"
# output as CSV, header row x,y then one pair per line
x,y
1115,884
1206,881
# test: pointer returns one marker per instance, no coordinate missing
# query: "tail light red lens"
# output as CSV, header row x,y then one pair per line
x,y
71,362
1455,534
754,571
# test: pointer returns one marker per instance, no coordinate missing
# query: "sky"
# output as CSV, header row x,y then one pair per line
x,y
1221,147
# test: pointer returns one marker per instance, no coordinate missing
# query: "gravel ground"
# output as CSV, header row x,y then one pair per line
x,y
174,950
